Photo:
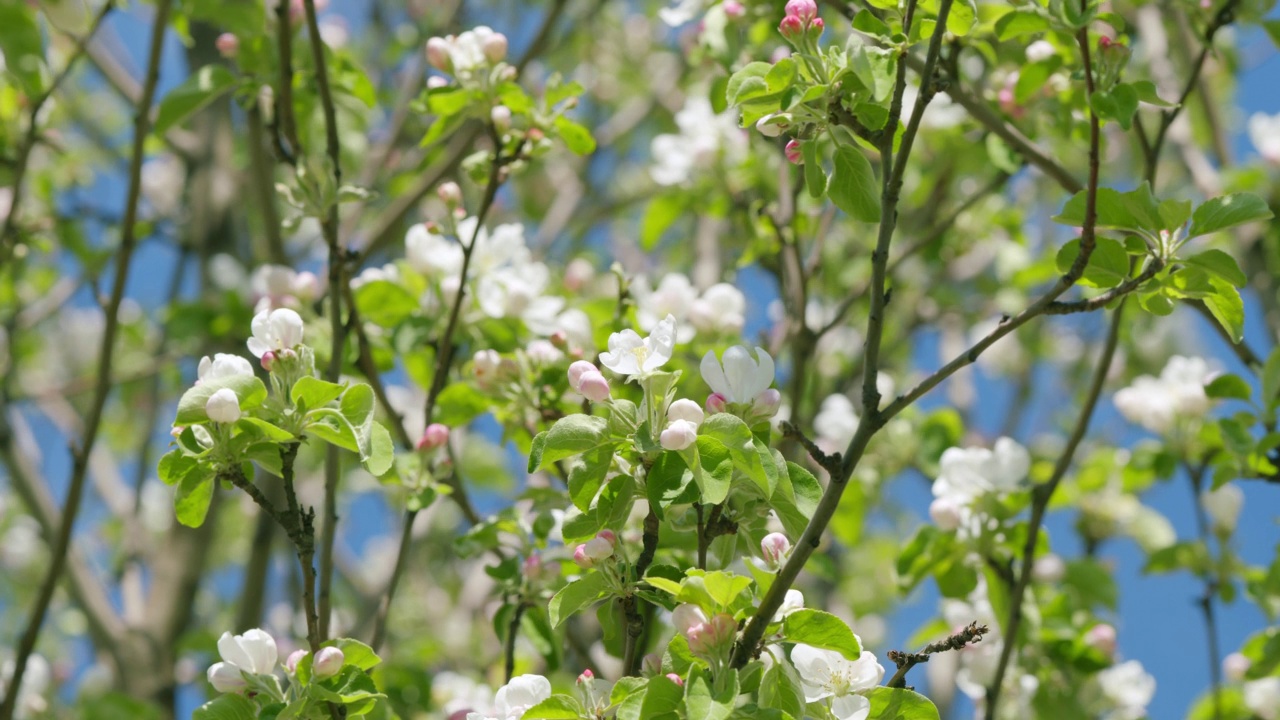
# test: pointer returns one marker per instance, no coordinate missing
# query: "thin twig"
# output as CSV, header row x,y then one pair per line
x,y
106,357
905,661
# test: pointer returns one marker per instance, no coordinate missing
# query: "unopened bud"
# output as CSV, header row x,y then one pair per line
x,y
1102,637
675,679
733,9
945,513
223,406
291,662
495,47
436,435
560,340
450,193
268,359
582,559
716,403
577,369
766,404
773,124
1234,666
791,27
593,386
678,435
535,134
500,115
436,81
598,549
774,548
438,54
793,153
652,664
586,676
228,45
328,662
805,10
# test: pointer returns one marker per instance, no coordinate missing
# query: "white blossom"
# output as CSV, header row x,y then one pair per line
x,y
1040,50
681,12
222,365
274,331
791,602
252,653
736,375
835,423
36,678
1264,131
968,473
674,296
1262,697
703,137
432,254
629,354
1129,688
828,674
1223,506
1156,403
720,309
223,406
516,697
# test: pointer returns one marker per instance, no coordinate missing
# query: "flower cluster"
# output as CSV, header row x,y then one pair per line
x,y
1158,403
467,55
968,474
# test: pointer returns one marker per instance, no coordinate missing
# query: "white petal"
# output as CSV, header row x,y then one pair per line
x,y
851,707
763,376
262,648
739,367
230,650
713,374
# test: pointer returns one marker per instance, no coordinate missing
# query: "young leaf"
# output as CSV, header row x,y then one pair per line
x,y
577,595
853,186
311,392
192,498
571,435
1219,264
815,178
900,704
556,707
821,630
227,707
1228,211
201,88
1227,308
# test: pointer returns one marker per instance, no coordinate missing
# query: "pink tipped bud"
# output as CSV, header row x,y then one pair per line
x,y
436,435
816,27
450,193
560,340
608,535
791,27
532,567
804,10
1234,666
1104,42
176,431
586,676
712,637
675,679
686,617
716,403
593,386
577,370
535,134
228,45
1102,637
652,664
500,116
774,548
582,559
766,404
679,435
438,53
268,359
328,662
733,9
946,514
792,151
598,549
495,47
291,662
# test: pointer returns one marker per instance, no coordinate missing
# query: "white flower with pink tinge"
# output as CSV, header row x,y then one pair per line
x,y
630,354
828,674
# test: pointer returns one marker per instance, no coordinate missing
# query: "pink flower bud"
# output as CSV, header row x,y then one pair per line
x,y
652,664
532,567
559,340
1234,666
582,559
945,513
1102,637
593,386
228,45
450,193
535,134
774,548
176,431
686,410
586,676
598,549
713,636
816,27
733,8
766,404
791,27
686,617
438,54
500,116
792,151
291,662
679,435
577,369
1104,42
328,662
495,47
268,359
608,535
716,403
436,435
805,10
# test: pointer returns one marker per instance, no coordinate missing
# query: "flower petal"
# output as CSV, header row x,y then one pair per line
x,y
851,707
713,374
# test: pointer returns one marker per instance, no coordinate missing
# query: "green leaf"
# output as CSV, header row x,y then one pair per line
x,y
734,434
385,303
382,451
1228,211
661,213
853,186
248,389
1175,213
669,482
556,707
576,137
780,688
1227,308
1136,210
271,432
1228,387
577,595
712,469
1032,78
748,82
587,476
869,24
962,18
22,46
707,702
175,465
1019,23
821,630
200,88
900,704
815,178
227,707
192,498
448,100
459,404
571,435
355,653
1108,264
310,392
1146,91
1220,264
331,426
661,699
